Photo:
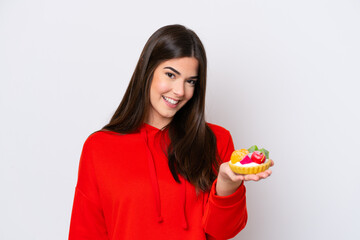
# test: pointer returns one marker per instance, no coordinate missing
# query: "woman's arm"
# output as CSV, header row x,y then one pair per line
x,y
225,211
225,216
87,218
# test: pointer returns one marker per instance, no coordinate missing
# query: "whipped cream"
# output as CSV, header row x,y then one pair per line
x,y
253,164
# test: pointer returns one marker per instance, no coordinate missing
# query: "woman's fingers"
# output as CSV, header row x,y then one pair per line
x,y
252,177
272,163
264,174
235,177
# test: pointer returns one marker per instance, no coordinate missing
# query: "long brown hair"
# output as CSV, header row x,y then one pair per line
x,y
192,150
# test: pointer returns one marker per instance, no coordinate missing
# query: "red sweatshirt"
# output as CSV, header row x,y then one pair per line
x,y
125,190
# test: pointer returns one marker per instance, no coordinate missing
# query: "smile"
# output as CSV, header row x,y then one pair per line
x,y
170,100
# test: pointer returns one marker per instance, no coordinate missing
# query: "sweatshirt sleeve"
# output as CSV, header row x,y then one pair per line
x,y
87,218
225,216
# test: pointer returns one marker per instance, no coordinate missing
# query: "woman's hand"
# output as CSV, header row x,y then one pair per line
x,y
228,181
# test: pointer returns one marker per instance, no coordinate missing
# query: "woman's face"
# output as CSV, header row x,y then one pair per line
x,y
172,86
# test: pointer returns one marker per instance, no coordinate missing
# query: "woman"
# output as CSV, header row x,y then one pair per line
x,y
156,170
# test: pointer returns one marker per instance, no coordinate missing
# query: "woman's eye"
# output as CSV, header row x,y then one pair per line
x,y
170,75
192,82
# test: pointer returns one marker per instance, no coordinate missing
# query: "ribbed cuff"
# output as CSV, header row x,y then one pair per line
x,y
230,200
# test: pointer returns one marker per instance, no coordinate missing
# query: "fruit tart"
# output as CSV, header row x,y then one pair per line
x,y
250,161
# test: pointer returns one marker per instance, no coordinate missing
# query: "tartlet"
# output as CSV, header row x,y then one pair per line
x,y
250,161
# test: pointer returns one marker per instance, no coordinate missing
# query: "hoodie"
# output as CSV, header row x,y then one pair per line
x,y
125,190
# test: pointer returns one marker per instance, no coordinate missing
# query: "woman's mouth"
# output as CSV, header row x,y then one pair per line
x,y
171,102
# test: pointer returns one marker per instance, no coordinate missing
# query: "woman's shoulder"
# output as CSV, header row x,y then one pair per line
x,y
218,130
223,140
102,136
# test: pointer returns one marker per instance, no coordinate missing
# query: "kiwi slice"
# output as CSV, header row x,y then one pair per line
x,y
253,149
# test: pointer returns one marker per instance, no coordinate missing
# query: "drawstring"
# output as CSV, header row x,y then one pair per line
x,y
153,177
183,193
155,184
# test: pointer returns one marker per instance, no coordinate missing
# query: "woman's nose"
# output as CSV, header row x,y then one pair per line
x,y
179,88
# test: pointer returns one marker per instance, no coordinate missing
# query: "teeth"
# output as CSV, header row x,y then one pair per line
x,y
170,100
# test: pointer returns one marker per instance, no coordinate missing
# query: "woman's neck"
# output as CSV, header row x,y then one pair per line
x,y
158,123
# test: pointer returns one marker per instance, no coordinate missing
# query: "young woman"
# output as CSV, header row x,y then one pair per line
x,y
157,170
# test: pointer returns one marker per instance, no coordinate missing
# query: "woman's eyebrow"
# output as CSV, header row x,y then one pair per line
x,y
178,73
174,70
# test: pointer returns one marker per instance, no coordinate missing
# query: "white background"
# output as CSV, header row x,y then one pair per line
x,y
282,74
